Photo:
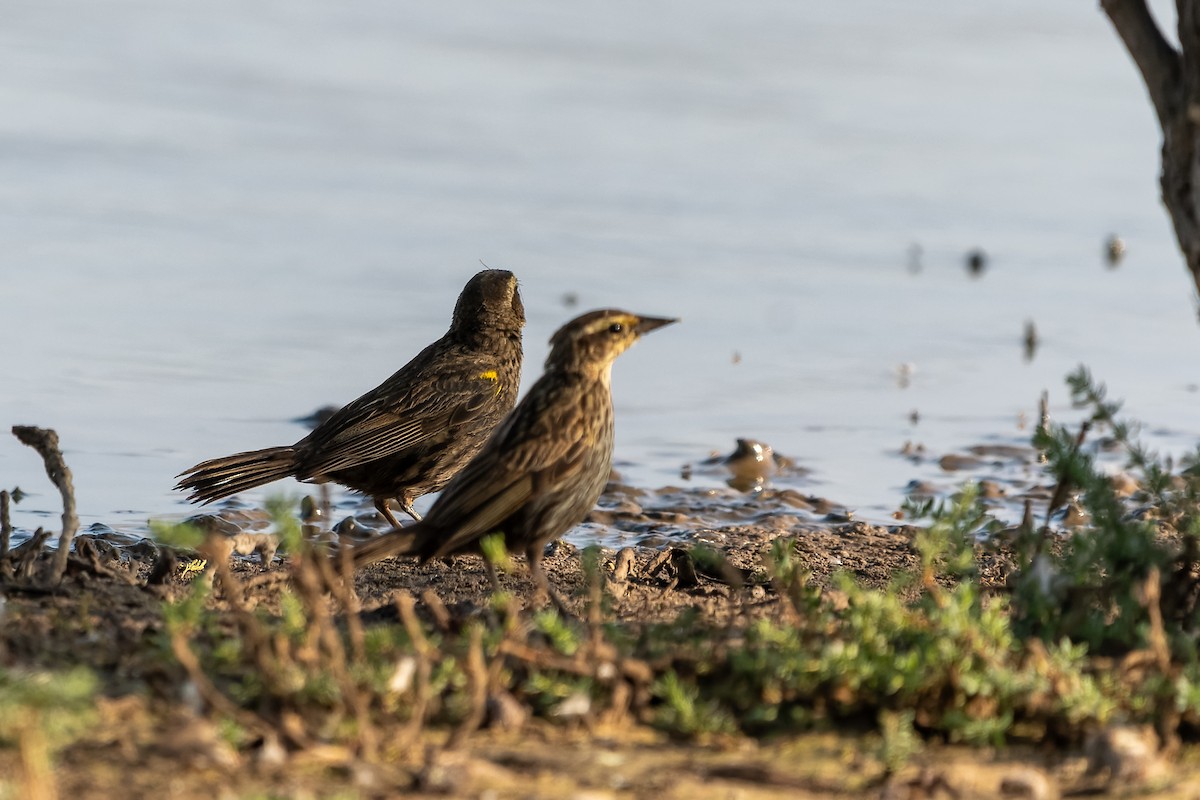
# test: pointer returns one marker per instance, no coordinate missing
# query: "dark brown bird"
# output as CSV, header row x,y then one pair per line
x,y
411,434
545,466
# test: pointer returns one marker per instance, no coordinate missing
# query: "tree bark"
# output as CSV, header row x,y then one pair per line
x,y
1172,78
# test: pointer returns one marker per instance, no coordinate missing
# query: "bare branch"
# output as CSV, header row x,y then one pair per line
x,y
5,524
1157,61
45,441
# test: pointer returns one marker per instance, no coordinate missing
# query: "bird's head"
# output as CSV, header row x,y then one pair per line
x,y
592,341
489,301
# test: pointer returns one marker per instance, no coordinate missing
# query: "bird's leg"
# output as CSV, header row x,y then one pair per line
x,y
533,555
381,505
407,507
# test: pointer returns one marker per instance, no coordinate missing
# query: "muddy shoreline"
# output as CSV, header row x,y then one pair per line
x,y
152,736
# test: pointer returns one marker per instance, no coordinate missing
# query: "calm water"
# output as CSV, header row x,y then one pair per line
x,y
218,217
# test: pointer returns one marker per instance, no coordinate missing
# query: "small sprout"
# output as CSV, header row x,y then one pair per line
x,y
287,525
561,635
900,740
495,552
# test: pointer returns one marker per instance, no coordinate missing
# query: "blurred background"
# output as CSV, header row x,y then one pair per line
x,y
218,217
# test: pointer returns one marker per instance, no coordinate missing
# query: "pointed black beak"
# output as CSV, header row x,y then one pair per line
x,y
647,324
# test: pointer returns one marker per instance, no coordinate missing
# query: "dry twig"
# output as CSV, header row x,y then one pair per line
x,y
5,524
45,442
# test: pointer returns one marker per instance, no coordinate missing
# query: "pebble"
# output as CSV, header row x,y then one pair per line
x,y
953,462
1125,753
1114,250
1028,782
976,262
752,459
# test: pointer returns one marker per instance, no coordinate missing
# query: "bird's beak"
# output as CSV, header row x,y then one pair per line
x,y
647,324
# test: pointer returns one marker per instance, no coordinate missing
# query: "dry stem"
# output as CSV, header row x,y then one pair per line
x,y
45,441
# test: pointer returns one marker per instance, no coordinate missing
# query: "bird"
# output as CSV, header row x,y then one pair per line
x,y
411,434
545,466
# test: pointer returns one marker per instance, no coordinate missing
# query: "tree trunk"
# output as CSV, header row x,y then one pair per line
x,y
1173,80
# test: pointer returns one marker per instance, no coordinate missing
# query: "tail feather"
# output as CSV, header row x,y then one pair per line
x,y
221,477
412,540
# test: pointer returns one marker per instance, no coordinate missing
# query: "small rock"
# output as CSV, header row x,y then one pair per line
x,y
1028,782
574,706
623,564
1030,340
953,462
1114,250
921,490
402,677
310,509
990,490
1075,516
752,460
976,262
505,712
793,499
823,505
317,417
350,528
1125,753
272,753
1123,484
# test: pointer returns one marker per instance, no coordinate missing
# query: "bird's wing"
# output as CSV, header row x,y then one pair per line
x,y
535,449
398,416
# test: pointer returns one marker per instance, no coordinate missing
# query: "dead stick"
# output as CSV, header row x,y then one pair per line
x,y
35,758
5,525
343,590
1151,597
315,576
26,555
406,608
477,683
214,697
45,441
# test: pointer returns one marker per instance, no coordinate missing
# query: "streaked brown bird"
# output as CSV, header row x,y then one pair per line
x,y
411,434
545,466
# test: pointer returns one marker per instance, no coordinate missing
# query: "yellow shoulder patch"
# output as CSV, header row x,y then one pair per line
x,y
490,375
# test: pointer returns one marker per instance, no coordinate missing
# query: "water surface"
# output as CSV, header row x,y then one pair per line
x,y
218,218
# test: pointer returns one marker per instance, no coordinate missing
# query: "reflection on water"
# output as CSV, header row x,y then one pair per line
x,y
219,218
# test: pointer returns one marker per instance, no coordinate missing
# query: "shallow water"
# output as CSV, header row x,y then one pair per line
x,y
219,218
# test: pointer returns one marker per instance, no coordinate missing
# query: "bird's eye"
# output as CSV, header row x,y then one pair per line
x,y
616,327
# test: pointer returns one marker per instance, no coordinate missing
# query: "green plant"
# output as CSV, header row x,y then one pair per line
x,y
42,712
1088,586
